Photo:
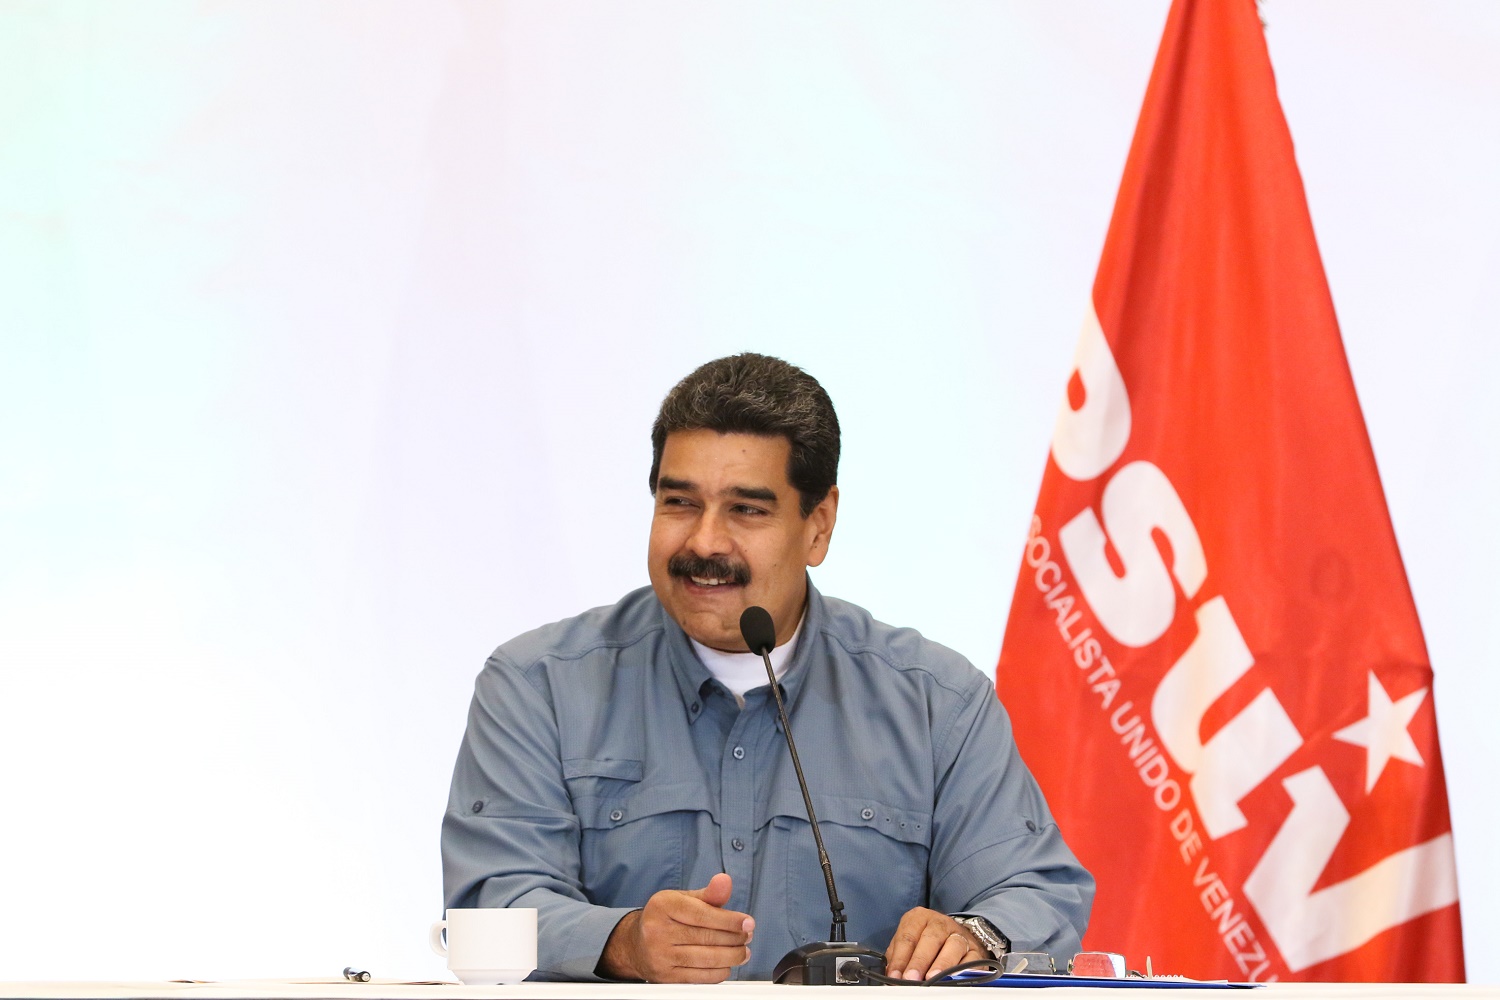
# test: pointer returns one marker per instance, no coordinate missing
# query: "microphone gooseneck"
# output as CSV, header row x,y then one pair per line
x,y
759,633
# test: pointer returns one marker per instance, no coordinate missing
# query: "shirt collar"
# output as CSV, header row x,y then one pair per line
x,y
742,672
691,675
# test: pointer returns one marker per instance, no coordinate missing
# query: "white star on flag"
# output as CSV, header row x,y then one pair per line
x,y
1383,732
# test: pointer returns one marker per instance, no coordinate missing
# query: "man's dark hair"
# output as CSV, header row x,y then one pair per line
x,y
756,394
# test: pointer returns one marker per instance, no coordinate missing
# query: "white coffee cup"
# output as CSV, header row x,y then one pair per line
x,y
487,946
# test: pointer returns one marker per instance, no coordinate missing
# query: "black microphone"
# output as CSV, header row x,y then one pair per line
x,y
758,631
818,963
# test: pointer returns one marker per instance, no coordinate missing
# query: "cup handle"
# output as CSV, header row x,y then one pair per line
x,y
435,938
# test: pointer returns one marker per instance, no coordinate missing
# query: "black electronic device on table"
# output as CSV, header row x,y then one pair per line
x,y
829,963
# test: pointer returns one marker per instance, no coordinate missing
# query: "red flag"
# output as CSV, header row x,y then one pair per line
x,y
1213,661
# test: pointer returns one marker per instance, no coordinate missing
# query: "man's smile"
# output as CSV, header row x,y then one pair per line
x,y
706,574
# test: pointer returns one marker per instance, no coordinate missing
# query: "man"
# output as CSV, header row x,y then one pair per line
x,y
624,771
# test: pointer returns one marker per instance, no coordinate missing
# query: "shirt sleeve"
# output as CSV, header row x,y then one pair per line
x,y
510,837
997,852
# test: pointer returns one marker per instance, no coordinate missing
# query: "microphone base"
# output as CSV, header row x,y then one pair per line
x,y
828,963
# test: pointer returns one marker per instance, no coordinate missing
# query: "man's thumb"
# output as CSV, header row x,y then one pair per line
x,y
717,892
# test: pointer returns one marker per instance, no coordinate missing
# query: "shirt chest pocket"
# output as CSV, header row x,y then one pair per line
x,y
879,855
631,835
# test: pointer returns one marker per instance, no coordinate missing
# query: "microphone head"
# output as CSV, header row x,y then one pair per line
x,y
758,630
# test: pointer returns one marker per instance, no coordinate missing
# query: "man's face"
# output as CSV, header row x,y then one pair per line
x,y
728,532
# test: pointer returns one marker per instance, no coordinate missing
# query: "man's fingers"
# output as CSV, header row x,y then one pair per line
x,y
687,909
692,912
710,937
682,938
898,952
925,951
956,949
705,907
698,964
717,892
696,957
927,942
694,976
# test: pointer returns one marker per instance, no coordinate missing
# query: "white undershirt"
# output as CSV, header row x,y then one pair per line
x,y
740,672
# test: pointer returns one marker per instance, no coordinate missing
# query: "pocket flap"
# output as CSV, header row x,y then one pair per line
x,y
603,804
621,768
912,826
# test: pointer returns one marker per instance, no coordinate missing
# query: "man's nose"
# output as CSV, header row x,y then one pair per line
x,y
710,536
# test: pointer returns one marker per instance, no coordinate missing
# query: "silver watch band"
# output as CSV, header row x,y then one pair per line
x,y
985,932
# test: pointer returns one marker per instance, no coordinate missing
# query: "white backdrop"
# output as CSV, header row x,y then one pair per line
x,y
330,336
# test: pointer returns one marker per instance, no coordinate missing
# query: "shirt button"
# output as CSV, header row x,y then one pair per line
x,y
479,807
737,844
867,814
694,707
617,815
739,753
1031,825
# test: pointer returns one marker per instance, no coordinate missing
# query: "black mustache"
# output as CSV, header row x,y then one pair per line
x,y
684,565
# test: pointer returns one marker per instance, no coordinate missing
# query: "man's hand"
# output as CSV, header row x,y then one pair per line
x,y
927,942
680,937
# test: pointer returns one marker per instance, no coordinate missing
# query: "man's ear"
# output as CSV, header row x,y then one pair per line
x,y
819,530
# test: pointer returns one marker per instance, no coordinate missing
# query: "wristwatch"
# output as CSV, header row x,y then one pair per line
x,y
995,943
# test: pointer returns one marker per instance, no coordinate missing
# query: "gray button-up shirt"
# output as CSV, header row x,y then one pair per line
x,y
603,763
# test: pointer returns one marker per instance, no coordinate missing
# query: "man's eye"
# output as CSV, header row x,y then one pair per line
x,y
676,502
747,509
